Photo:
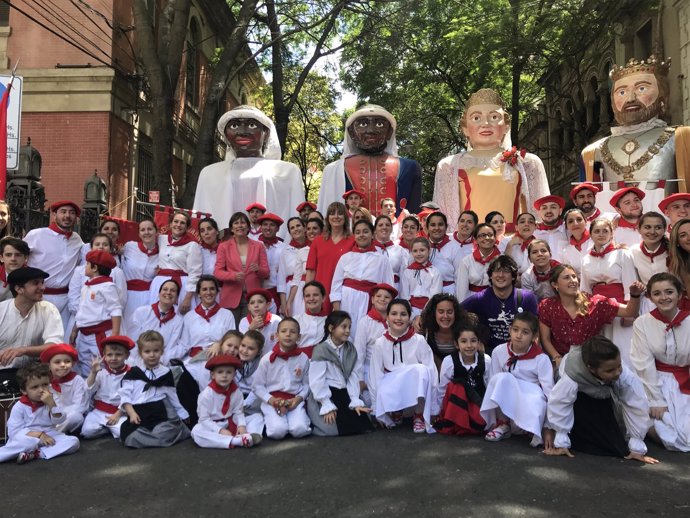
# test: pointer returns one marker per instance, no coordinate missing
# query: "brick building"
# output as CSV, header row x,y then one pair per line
x,y
84,106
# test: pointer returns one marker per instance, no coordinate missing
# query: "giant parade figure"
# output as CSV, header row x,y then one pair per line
x,y
491,175
643,147
370,164
252,171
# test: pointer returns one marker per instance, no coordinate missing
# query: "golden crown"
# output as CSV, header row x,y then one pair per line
x,y
651,66
485,96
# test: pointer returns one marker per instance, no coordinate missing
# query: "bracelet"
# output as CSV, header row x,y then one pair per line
x,y
554,358
635,296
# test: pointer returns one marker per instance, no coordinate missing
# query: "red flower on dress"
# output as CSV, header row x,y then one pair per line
x,y
511,156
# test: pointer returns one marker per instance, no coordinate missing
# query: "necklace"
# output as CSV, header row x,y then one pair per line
x,y
629,147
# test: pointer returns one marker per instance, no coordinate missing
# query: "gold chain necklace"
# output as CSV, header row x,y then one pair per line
x,y
626,171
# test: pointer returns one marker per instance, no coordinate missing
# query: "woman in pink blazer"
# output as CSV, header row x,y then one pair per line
x,y
241,264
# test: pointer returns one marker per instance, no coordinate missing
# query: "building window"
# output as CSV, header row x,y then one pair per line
x,y
643,41
4,14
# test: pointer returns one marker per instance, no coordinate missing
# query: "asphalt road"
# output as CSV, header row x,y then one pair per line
x,y
386,473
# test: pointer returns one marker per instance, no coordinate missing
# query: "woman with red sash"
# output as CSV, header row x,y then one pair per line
x,y
291,269
357,272
139,263
579,241
472,276
312,317
608,270
660,355
179,258
651,254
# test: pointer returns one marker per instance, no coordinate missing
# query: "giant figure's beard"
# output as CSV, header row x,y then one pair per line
x,y
645,113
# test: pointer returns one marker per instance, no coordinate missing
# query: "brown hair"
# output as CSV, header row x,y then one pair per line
x,y
581,300
333,208
679,259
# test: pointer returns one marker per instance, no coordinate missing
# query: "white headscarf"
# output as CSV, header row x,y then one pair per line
x,y
369,110
271,148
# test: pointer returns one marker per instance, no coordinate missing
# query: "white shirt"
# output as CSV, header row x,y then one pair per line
x,y
537,370
470,272
291,376
24,420
273,254
556,239
269,331
325,374
136,264
199,332
420,283
73,395
311,329
615,267
41,325
186,258
644,267
106,387
99,302
210,410
55,254
144,319
368,331
366,266
79,278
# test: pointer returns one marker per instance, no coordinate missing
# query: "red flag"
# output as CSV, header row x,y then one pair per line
x,y
3,139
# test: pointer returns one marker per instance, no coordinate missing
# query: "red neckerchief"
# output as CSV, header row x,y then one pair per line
x,y
419,266
207,315
402,338
124,369
56,382
544,226
277,352
526,243
269,241
267,318
440,244
375,315
323,312
370,248
402,243
169,315
477,255
297,245
624,223
652,255
609,248
58,230
385,245
144,250
546,276
31,404
212,248
578,243
227,392
186,238
3,275
680,316
463,242
533,351
594,216
98,280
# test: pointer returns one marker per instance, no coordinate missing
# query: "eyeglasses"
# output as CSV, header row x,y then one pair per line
x,y
485,236
503,270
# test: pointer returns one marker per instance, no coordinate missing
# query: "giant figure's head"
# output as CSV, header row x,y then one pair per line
x,y
248,132
640,91
370,130
485,121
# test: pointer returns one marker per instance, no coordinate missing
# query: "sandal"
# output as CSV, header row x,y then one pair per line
x,y
500,432
418,425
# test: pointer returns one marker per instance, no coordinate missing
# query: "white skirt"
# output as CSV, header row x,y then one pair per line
x,y
522,402
401,389
622,337
135,299
356,303
674,428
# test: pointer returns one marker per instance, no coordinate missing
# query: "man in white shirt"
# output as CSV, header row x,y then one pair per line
x,y
28,324
56,250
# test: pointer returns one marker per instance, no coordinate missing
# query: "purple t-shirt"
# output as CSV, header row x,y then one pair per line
x,y
498,315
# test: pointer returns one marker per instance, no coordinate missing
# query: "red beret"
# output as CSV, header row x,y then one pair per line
x,y
64,203
101,258
586,185
663,204
56,349
353,191
255,205
552,198
382,286
264,293
304,205
223,359
622,192
124,341
269,216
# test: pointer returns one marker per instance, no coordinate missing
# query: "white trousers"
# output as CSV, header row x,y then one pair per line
x,y
295,422
96,425
64,445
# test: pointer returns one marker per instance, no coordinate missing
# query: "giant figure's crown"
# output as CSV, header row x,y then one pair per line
x,y
651,66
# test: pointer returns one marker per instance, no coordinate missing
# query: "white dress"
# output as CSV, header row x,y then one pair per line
x,y
645,267
651,341
185,259
447,262
139,269
311,329
397,256
471,275
423,284
570,254
400,374
145,319
520,393
369,267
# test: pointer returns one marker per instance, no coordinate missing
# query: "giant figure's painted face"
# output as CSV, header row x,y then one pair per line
x,y
636,98
484,125
370,134
246,137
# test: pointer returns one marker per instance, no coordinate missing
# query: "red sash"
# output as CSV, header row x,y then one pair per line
x,y
98,330
475,288
680,372
279,394
418,302
364,286
138,285
610,291
104,407
169,272
56,291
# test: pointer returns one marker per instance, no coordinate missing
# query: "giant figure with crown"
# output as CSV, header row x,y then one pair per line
x,y
643,147
491,174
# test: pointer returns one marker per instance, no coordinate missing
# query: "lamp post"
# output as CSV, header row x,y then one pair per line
x,y
95,204
25,194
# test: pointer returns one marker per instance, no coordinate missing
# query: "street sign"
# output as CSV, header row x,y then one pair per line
x,y
14,118
154,196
